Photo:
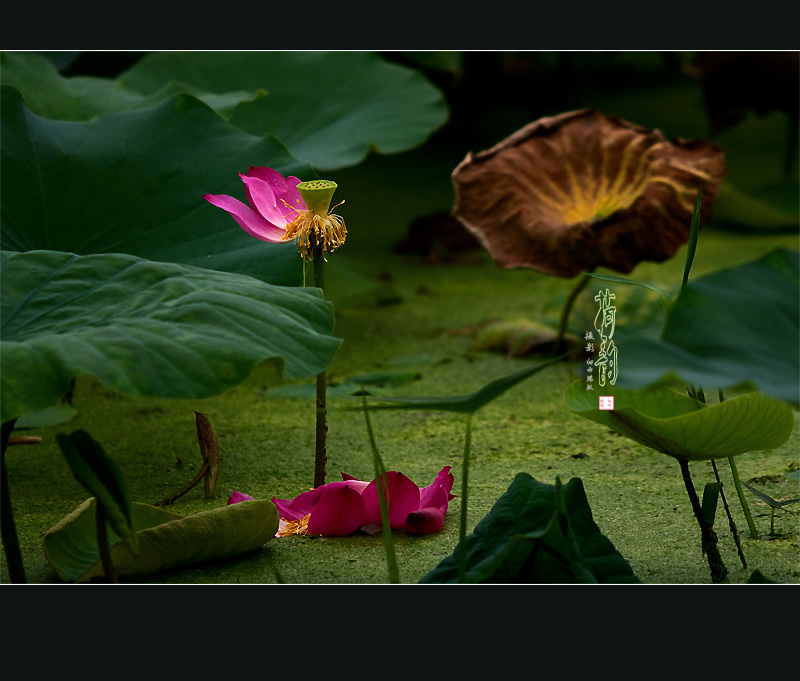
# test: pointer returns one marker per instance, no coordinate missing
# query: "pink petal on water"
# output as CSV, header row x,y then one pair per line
x,y
425,521
338,511
403,497
236,497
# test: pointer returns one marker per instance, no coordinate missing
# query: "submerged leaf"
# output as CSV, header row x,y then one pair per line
x,y
520,337
538,533
685,428
166,540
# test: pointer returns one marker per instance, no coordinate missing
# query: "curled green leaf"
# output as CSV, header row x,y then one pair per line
x,y
166,540
685,428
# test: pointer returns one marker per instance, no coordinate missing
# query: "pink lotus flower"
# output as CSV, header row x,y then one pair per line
x,y
342,507
285,208
274,203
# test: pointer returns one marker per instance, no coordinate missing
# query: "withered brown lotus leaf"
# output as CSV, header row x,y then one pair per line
x,y
582,190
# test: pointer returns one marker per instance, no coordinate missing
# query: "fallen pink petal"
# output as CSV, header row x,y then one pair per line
x,y
343,507
237,497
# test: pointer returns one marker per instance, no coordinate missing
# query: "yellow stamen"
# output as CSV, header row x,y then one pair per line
x,y
329,232
295,527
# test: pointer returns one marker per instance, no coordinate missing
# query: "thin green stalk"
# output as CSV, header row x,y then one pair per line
x,y
750,524
8,529
320,457
462,532
739,491
731,523
380,477
565,313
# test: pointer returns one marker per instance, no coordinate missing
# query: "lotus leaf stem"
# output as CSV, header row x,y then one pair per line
x,y
708,538
8,529
565,312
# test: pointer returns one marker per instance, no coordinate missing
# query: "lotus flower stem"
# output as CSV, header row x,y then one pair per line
x,y
8,529
565,313
462,532
321,457
708,538
382,486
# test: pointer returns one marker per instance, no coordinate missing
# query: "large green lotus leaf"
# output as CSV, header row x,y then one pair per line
x,y
735,327
329,108
80,98
147,329
683,427
133,183
166,540
537,533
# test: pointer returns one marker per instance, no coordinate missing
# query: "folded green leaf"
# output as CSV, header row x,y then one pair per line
x,y
684,428
464,404
100,476
768,500
538,533
710,498
166,540
147,329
